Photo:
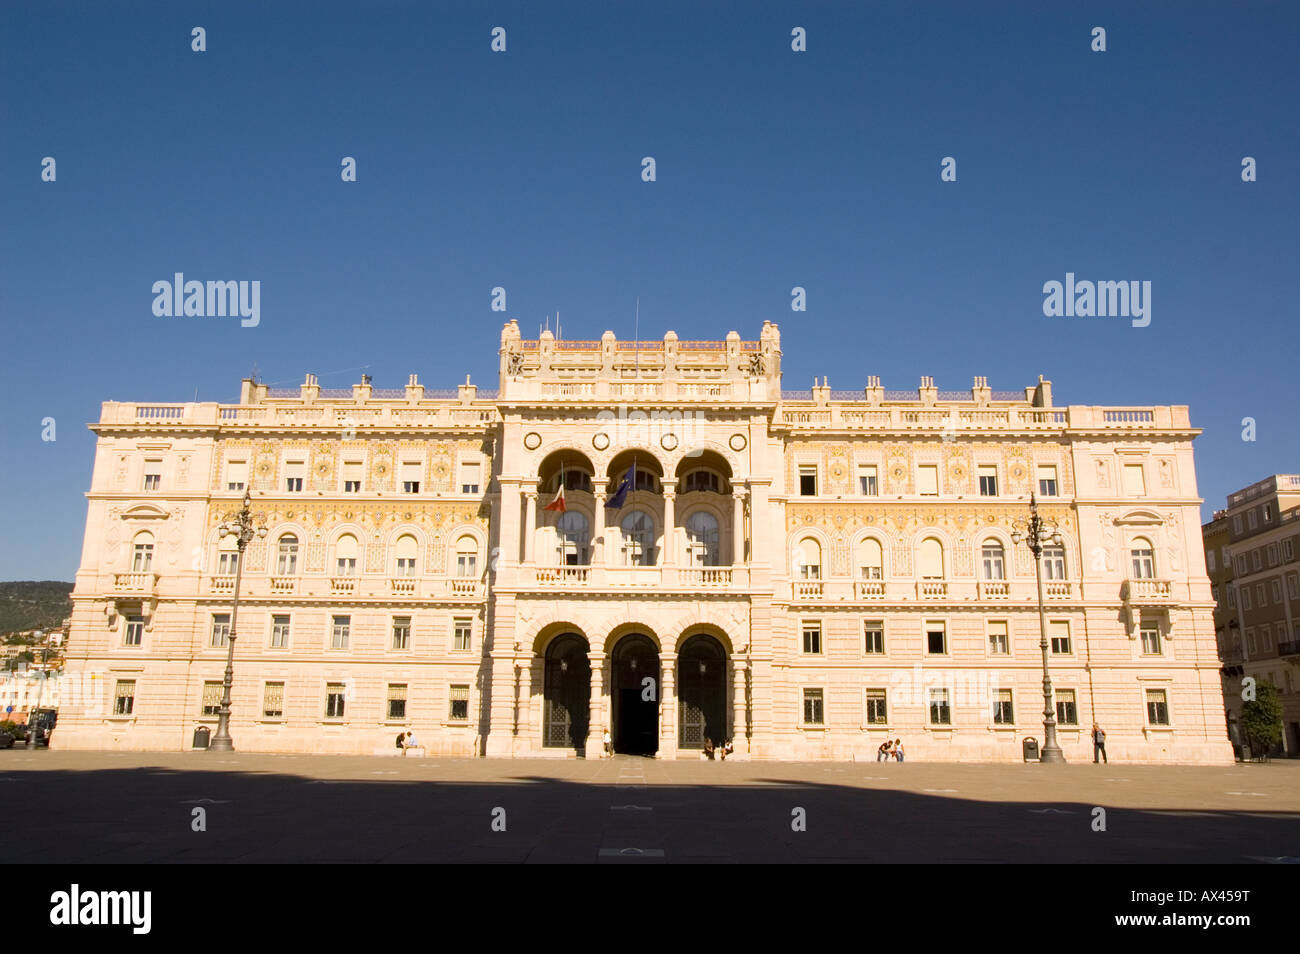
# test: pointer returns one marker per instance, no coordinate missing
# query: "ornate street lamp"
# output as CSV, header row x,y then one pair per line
x,y
242,529
1038,532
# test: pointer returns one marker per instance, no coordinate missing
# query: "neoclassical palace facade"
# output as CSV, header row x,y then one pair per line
x,y
650,539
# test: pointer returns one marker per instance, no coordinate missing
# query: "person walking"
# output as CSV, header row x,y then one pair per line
x,y
1099,744
608,743
898,749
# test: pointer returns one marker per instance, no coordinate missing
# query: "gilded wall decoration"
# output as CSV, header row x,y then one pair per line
x,y
315,557
898,468
374,556
265,466
255,556
381,466
957,468
439,466
324,463
837,469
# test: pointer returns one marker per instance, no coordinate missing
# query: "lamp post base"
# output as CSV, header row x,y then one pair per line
x,y
221,745
1052,754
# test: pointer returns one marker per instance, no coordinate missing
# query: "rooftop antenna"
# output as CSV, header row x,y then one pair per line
x,y
557,324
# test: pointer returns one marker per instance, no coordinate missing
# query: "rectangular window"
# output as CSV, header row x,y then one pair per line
x,y
469,477
279,632
940,707
1275,586
808,480
1293,585
1271,551
1241,564
124,697
458,710
1067,713
936,638
401,632
873,631
1150,639
462,630
212,692
1255,562
273,700
1232,595
813,712
867,483
1288,550
227,562
1209,560
467,563
134,630
1047,480
334,700
1003,713
341,631
1252,521
220,629
1157,707
812,637
236,474
352,477
999,642
293,485
1260,595
1268,513
396,701
876,710
927,480
406,566
1059,630
1236,524
411,476
152,474
988,480
1135,484
294,471
1252,646
1266,637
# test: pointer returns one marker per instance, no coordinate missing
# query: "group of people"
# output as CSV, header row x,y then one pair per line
x,y
720,751
406,742
890,750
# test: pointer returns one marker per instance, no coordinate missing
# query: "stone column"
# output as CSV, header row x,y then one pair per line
x,y
530,523
596,724
670,523
509,532
737,527
598,555
668,706
739,694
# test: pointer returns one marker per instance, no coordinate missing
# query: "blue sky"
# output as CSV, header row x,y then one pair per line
x,y
522,169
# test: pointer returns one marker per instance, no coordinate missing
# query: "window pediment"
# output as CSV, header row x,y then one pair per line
x,y
1139,518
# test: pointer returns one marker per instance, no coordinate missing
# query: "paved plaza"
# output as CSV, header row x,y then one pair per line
x,y
138,807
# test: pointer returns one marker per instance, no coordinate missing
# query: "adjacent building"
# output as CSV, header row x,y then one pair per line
x,y
1251,556
650,538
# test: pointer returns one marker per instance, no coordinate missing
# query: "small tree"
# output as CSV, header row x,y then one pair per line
x,y
1261,719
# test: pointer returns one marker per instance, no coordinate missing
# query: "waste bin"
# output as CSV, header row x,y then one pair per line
x,y
1031,749
201,735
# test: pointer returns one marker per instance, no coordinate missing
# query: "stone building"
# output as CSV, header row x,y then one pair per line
x,y
1251,552
650,538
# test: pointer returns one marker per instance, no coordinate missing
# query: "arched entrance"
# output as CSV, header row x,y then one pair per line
x,y
702,688
567,694
634,703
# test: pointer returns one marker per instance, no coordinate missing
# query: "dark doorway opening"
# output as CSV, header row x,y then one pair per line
x,y
567,694
702,686
634,695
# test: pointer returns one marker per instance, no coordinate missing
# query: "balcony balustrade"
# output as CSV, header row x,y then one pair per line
x,y
134,582
284,585
808,589
402,586
1147,591
705,576
994,590
869,589
343,585
223,584
932,589
1057,589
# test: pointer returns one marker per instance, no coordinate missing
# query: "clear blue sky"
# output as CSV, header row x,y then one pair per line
x,y
522,169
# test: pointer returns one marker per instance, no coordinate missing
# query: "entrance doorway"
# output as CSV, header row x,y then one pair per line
x,y
634,695
567,694
702,686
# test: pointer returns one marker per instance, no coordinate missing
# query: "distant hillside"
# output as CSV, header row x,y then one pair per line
x,y
33,604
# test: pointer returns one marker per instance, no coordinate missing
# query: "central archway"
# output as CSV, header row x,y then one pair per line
x,y
702,688
634,702
567,693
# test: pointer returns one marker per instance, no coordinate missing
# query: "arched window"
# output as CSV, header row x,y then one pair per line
x,y
142,552
930,559
286,561
638,539
872,559
1054,563
573,480
702,539
1144,559
227,555
467,557
992,557
345,552
808,559
573,539
407,551
702,480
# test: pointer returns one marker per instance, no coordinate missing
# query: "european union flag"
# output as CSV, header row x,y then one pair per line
x,y
629,480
